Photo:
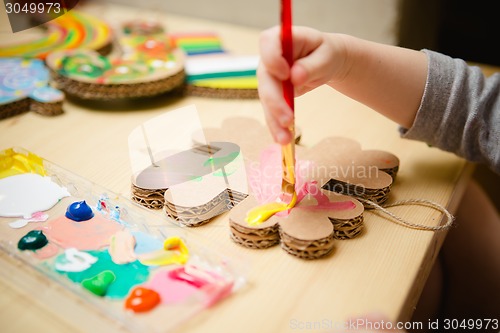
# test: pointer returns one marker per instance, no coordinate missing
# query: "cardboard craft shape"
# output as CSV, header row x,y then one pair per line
x,y
212,71
147,66
339,165
336,165
194,185
24,86
306,233
72,30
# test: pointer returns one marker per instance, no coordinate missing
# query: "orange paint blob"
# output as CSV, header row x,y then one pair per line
x,y
142,300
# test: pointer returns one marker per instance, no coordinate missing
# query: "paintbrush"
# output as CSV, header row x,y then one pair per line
x,y
288,197
288,150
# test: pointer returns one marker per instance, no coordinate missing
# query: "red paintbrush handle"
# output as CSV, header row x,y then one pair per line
x,y
287,47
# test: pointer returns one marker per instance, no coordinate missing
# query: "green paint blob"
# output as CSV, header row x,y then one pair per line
x,y
127,275
33,240
100,283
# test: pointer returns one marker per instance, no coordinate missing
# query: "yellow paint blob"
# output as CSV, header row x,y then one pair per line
x,y
174,252
15,163
262,213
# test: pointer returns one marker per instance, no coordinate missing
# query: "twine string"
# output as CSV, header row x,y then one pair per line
x,y
422,202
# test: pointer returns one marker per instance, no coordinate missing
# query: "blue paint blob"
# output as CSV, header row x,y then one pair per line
x,y
79,211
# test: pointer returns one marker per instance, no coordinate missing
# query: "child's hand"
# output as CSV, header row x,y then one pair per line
x,y
388,79
313,67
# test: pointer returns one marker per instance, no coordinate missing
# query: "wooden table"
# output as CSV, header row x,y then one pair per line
x,y
383,270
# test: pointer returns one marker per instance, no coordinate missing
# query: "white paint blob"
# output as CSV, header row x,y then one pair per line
x,y
28,193
73,260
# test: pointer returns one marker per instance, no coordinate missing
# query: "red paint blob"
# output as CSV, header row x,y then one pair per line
x,y
142,300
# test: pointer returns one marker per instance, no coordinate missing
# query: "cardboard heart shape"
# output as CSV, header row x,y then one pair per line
x,y
308,232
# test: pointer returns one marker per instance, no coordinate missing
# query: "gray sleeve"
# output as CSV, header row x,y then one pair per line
x,y
460,111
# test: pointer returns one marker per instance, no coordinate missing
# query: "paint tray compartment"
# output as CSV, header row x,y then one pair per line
x,y
197,276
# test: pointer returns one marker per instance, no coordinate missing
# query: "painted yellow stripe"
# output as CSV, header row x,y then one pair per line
x,y
228,83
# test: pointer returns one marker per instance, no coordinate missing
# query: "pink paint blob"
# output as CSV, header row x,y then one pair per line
x,y
179,284
35,217
211,284
39,216
323,202
265,182
171,290
88,235
265,178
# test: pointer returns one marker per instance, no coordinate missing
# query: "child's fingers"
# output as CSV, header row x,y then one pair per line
x,y
305,41
270,53
279,116
316,68
273,69
281,135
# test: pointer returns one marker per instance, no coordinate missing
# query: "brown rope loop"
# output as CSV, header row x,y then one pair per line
x,y
422,202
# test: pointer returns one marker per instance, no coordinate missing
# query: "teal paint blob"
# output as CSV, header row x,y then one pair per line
x,y
33,240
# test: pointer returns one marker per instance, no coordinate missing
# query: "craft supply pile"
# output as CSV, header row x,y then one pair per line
x,y
83,56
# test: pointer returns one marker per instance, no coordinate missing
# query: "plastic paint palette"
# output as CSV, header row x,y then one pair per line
x,y
38,277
